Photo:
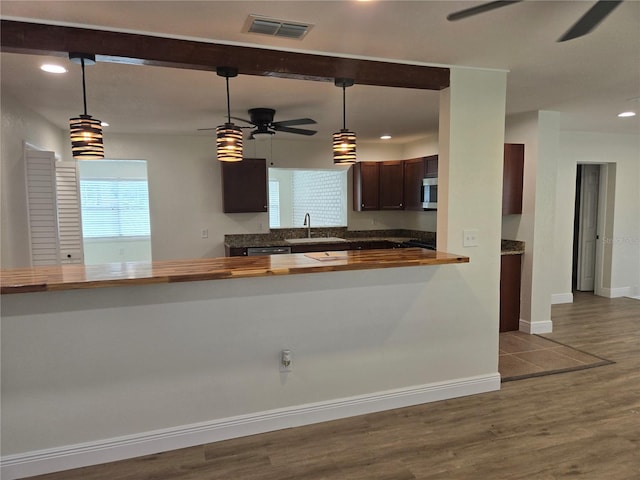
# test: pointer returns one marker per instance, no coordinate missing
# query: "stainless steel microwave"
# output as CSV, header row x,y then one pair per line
x,y
430,193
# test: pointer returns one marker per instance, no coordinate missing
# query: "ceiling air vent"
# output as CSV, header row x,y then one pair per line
x,y
275,27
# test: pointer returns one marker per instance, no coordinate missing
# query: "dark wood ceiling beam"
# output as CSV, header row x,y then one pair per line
x,y
41,39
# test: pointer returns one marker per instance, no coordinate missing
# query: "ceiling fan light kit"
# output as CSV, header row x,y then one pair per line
x,y
262,119
85,132
344,141
228,136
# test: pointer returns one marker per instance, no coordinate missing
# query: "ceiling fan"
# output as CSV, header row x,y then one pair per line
x,y
590,20
262,119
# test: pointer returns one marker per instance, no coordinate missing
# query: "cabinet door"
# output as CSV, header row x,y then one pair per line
x,y
431,166
512,178
365,186
510,272
321,247
414,172
244,186
392,185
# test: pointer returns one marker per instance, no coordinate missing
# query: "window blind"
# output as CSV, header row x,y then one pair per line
x,y
115,208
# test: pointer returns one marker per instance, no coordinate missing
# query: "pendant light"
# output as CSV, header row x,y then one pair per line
x,y
85,131
228,136
344,141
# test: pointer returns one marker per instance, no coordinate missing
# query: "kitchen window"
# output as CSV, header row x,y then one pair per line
x,y
114,201
321,193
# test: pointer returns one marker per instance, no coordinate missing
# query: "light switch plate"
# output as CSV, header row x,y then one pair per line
x,y
470,238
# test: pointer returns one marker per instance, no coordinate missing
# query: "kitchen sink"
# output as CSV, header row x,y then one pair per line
x,y
315,240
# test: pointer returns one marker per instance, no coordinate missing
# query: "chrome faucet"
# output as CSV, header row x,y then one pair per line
x,y
307,223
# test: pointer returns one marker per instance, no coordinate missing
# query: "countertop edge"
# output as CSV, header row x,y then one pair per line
x,y
74,277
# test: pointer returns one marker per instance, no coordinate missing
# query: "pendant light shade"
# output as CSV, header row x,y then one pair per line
x,y
85,131
228,136
344,141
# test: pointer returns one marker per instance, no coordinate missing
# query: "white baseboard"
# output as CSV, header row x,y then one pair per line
x,y
92,453
614,292
536,328
558,298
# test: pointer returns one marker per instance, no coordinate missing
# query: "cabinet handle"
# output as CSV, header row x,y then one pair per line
x,y
363,204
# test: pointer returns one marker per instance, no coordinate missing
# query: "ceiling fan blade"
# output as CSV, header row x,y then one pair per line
x,y
295,121
244,120
299,131
591,19
485,7
215,128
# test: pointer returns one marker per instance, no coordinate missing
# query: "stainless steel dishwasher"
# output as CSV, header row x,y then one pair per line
x,y
254,251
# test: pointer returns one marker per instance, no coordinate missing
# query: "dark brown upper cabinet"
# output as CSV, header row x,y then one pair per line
x,y
378,185
512,178
414,171
431,166
392,185
244,186
366,190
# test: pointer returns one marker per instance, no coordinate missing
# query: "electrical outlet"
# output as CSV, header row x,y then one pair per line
x,y
286,361
470,238
204,233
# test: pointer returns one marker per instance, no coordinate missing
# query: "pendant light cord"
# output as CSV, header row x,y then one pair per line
x,y
344,107
84,87
228,103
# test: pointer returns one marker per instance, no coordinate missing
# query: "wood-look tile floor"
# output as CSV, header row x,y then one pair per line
x,y
583,425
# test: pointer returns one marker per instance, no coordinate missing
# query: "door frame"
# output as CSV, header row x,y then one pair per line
x,y
605,215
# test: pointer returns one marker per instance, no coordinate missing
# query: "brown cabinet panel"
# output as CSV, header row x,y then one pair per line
x,y
512,178
431,166
414,172
244,186
510,275
392,185
366,178
235,251
321,247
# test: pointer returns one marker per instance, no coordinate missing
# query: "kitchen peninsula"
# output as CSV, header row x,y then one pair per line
x,y
167,359
71,277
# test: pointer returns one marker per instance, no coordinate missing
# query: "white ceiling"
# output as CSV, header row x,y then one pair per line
x,y
589,80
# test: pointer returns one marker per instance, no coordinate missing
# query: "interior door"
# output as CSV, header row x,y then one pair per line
x,y
587,234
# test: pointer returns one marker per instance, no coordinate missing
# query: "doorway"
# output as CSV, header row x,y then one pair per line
x,y
592,220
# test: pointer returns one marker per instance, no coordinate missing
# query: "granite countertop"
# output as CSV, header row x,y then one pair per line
x,y
276,238
512,247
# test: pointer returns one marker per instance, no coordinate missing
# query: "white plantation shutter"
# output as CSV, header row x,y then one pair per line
x,y
69,216
55,228
41,207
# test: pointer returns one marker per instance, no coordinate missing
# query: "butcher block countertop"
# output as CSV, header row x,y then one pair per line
x,y
70,277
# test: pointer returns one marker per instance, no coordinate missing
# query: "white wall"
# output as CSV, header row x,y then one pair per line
x,y
20,125
539,132
623,245
549,248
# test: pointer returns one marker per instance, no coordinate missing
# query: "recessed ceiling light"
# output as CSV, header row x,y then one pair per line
x,y
104,124
385,137
627,114
50,68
